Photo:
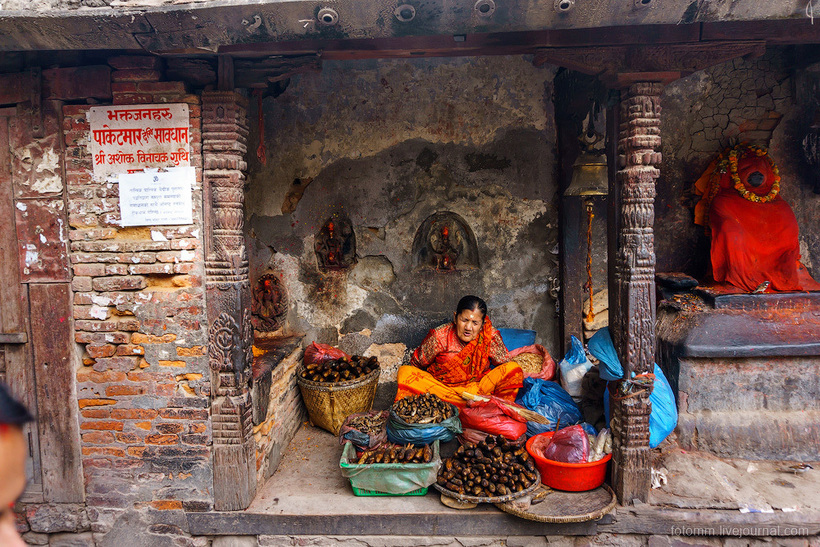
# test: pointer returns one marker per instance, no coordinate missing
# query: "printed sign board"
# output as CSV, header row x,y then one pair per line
x,y
151,198
128,138
147,149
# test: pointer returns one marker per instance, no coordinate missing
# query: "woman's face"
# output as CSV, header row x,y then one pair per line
x,y
12,480
468,324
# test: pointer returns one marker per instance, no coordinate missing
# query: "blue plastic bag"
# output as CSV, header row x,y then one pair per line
x,y
664,416
601,346
589,429
549,400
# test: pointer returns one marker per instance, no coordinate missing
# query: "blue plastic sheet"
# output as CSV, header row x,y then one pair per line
x,y
600,345
549,400
664,416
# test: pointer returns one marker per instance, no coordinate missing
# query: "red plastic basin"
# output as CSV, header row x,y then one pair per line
x,y
572,477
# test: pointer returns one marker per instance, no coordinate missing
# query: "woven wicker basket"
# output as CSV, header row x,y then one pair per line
x,y
329,404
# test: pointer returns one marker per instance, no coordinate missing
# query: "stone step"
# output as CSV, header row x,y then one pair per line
x,y
768,384
753,435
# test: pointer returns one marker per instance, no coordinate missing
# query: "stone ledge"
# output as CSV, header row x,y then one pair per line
x,y
755,435
481,521
487,521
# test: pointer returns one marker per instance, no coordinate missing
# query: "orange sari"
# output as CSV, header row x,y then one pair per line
x,y
469,370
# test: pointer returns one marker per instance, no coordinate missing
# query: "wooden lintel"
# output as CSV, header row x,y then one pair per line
x,y
623,80
259,73
775,32
655,63
437,45
14,88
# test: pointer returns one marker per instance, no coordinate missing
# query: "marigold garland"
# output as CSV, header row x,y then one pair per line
x,y
735,155
727,161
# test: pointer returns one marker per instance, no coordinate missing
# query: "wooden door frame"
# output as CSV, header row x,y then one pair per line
x,y
43,373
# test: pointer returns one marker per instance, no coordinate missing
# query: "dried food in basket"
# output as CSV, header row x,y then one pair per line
x,y
397,454
366,430
343,369
425,408
389,478
535,361
490,468
428,419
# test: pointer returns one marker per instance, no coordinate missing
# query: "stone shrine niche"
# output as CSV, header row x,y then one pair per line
x,y
445,243
269,304
335,244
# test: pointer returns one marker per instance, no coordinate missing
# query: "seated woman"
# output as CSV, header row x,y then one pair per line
x,y
456,358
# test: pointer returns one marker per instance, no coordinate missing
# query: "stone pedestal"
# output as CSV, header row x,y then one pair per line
x,y
746,372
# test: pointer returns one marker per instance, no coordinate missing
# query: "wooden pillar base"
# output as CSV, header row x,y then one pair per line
x,y
631,468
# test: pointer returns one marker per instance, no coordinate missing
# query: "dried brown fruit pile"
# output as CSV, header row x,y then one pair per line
x,y
425,408
491,468
340,370
397,454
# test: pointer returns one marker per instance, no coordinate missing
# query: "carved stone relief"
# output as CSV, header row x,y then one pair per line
x,y
335,244
445,243
270,303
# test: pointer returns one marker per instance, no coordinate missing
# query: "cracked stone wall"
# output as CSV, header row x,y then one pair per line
x,y
754,100
388,143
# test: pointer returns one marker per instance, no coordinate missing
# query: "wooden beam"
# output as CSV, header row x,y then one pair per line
x,y
661,62
774,32
57,413
14,88
499,43
38,130
77,82
13,338
259,73
225,73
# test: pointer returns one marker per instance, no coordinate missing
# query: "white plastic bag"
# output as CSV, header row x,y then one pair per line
x,y
573,367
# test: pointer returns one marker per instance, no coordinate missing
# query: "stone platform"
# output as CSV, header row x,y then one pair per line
x,y
308,502
746,372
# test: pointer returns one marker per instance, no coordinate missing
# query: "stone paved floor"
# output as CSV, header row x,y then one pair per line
x,y
308,502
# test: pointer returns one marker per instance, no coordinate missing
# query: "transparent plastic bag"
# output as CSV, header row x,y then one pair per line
x,y
568,445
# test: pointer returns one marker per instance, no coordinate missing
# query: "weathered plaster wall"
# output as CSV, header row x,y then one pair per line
x,y
389,143
751,100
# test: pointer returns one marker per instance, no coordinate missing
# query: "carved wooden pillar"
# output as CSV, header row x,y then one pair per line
x,y
633,323
224,143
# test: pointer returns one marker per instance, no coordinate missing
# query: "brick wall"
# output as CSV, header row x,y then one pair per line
x,y
139,310
285,411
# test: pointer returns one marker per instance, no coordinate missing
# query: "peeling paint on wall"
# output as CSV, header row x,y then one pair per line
x,y
407,139
49,179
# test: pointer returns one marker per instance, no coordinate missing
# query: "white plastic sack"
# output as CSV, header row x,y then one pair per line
x,y
573,367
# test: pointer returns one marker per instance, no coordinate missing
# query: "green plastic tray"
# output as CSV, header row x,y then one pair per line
x,y
363,492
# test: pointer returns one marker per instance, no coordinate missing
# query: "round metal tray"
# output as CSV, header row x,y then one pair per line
x,y
495,499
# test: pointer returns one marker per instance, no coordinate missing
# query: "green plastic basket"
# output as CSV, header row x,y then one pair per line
x,y
389,479
364,492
